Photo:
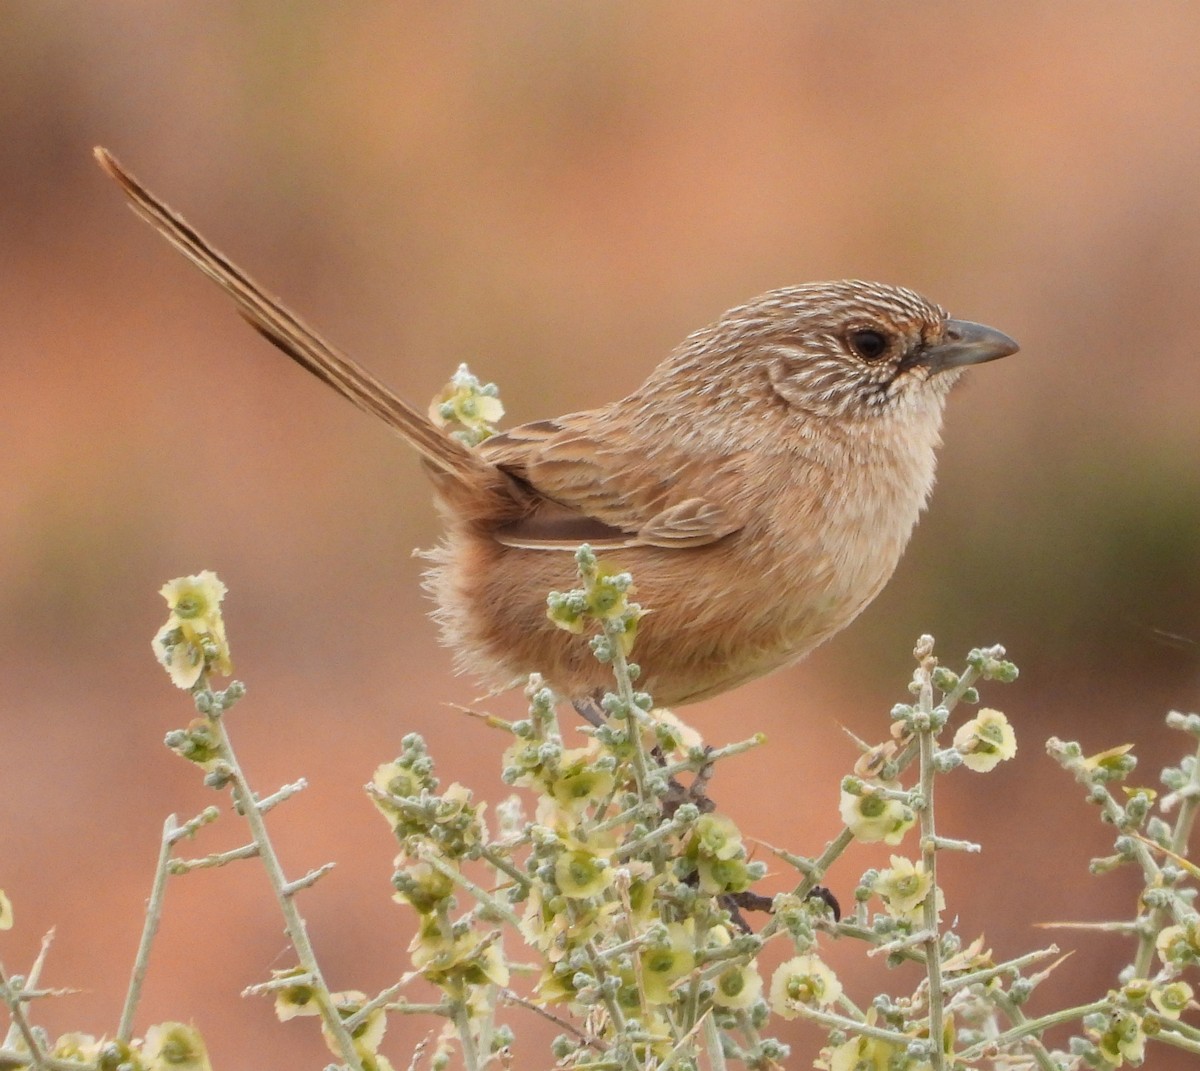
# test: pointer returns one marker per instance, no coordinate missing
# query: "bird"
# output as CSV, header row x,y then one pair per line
x,y
760,486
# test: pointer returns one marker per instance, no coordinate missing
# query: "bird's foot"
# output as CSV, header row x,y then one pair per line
x,y
696,793
590,710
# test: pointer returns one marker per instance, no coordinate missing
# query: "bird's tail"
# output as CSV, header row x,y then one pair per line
x,y
287,331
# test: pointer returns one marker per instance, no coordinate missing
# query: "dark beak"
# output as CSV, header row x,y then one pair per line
x,y
966,343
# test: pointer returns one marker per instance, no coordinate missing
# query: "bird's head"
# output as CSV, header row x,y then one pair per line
x,y
846,350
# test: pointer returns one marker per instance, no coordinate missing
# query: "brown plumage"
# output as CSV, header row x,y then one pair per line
x,y
760,485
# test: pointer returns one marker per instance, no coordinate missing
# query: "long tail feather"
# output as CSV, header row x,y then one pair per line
x,y
287,331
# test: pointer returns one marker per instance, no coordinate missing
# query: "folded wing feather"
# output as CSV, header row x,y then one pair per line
x,y
587,490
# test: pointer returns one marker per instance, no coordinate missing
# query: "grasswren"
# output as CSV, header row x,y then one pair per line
x,y
760,485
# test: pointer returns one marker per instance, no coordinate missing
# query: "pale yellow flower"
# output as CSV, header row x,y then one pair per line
x,y
432,942
467,407
986,741
368,1035
903,888
664,964
719,876
603,598
79,1048
1179,945
643,884
195,598
175,1047
554,985
685,736
738,986
393,780
1125,1039
719,855
294,1000
193,639
871,817
580,873
1112,762
716,836
555,931
450,962
6,912
971,958
1172,1000
578,781
803,980
420,885
489,966
860,1054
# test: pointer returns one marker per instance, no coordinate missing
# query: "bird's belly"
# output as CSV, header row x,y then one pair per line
x,y
718,616
768,619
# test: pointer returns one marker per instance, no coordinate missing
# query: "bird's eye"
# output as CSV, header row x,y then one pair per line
x,y
868,343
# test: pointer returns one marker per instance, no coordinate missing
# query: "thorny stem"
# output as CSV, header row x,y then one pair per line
x,y
712,1040
909,945
1017,1017
1179,842
693,1002
13,1059
282,795
1114,813
505,867
692,1013
476,890
611,1005
488,1024
633,848
630,814
852,1026
154,909
933,944
715,755
308,881
620,665
294,924
817,871
817,868
1121,926
286,981
685,1045
633,724
462,1026
1012,966
28,988
35,972
563,1024
208,862
967,681
751,1034
1181,1035
404,1007
12,997
1032,1026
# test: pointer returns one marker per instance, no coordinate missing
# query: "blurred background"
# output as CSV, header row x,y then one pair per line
x,y
558,194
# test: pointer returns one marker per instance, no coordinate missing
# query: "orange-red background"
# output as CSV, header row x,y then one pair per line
x,y
558,193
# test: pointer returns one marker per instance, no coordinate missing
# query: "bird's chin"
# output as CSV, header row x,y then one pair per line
x,y
916,389
944,381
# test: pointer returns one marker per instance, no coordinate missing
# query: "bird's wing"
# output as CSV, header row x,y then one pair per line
x,y
590,490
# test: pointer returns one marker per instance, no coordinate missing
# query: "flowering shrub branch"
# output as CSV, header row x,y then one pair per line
x,y
610,897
